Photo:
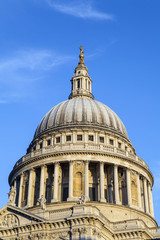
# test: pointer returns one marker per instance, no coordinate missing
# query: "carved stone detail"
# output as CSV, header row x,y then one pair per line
x,y
10,220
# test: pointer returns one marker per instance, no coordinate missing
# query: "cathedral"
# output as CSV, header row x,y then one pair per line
x,y
80,177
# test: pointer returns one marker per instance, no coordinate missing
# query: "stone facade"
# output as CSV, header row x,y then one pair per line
x,y
81,177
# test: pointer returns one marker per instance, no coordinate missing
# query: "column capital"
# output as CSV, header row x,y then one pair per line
x,y
71,162
116,165
57,163
44,165
86,161
32,170
102,162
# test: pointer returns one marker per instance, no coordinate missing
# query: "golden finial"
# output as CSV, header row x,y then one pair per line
x,y
81,56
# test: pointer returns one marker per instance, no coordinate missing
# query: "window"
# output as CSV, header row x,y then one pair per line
x,y
126,148
78,83
68,138
40,145
79,137
57,139
86,83
111,142
91,138
101,139
119,145
34,147
48,142
89,85
79,72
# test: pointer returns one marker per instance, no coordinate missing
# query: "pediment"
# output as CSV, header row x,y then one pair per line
x,y
11,216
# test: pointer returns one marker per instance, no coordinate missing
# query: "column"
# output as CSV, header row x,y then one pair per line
x,y
30,188
150,200
129,187
86,181
96,138
63,138
15,183
56,173
139,191
70,198
146,196
51,140
116,186
20,190
44,143
102,199
42,187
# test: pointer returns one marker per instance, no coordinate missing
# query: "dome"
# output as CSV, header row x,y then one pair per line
x,y
82,112
80,168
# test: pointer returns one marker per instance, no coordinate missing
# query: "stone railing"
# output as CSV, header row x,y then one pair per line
x,y
83,147
155,231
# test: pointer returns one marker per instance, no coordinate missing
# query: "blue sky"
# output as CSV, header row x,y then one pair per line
x,y
39,42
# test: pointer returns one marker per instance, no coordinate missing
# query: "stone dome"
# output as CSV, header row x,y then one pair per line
x,y
80,172
83,112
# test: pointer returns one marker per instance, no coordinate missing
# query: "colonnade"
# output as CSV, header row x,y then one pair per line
x,y
145,194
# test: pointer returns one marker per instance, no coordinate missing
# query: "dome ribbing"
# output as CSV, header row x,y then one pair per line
x,y
81,111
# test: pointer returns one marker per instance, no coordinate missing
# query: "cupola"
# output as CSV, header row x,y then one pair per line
x,y
81,82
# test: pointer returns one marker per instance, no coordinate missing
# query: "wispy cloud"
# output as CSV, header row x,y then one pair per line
x,y
32,60
21,70
80,9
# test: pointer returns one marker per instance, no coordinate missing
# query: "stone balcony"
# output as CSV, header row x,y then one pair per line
x,y
106,149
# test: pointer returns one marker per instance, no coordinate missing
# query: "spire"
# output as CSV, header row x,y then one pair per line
x,y
81,82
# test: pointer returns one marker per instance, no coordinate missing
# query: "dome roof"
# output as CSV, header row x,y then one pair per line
x,y
81,112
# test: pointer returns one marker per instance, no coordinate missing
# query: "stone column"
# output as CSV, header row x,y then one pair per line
x,y
56,173
139,191
30,188
51,140
20,190
146,196
15,183
102,199
63,138
129,187
96,138
74,137
86,181
150,200
42,183
44,143
70,198
116,186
